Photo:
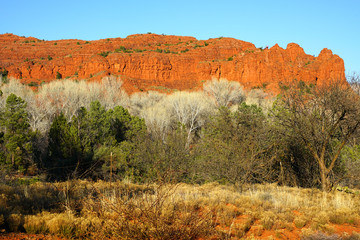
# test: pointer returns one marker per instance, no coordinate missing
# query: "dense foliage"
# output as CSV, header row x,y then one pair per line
x,y
307,137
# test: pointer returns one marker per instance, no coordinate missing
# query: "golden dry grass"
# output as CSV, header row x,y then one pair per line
x,y
93,210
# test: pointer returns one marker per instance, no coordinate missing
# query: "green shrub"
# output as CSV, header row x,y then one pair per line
x,y
120,49
104,54
58,75
33,84
3,73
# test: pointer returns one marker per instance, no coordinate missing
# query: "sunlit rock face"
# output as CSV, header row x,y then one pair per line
x,y
152,62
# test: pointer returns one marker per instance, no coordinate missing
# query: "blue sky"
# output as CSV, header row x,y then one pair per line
x,y
314,25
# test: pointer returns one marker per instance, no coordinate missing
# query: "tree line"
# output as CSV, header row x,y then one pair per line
x,y
307,136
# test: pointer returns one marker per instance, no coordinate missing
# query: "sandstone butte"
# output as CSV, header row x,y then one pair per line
x,y
162,62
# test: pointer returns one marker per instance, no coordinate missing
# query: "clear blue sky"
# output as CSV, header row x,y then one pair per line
x,y
313,24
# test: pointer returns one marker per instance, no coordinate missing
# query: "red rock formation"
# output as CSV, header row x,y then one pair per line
x,y
150,61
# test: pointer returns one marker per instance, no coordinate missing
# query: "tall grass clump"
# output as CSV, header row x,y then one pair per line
x,y
156,213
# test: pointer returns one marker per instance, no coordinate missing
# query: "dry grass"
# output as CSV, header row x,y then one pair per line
x,y
308,234
62,224
82,209
159,213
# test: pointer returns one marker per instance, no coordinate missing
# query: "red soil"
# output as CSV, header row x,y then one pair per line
x,y
256,232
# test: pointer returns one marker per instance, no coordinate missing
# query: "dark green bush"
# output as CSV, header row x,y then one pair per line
x,y
104,54
58,75
33,84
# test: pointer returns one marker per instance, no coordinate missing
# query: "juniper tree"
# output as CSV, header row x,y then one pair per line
x,y
238,146
17,133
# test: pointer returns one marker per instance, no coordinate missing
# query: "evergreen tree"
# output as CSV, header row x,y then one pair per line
x,y
80,147
17,134
64,149
125,126
98,123
126,135
238,147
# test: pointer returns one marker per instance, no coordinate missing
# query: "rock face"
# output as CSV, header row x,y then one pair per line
x,y
153,62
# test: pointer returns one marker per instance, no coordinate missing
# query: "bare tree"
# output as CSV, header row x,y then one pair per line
x,y
260,98
140,101
323,118
37,107
41,112
112,93
190,109
225,93
16,87
158,120
65,95
68,96
354,81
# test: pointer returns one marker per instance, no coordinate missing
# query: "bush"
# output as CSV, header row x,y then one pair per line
x,y
300,222
33,84
104,54
321,236
15,222
3,73
120,49
152,215
58,75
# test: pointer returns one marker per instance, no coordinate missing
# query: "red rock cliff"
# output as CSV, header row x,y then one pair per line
x,y
150,61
